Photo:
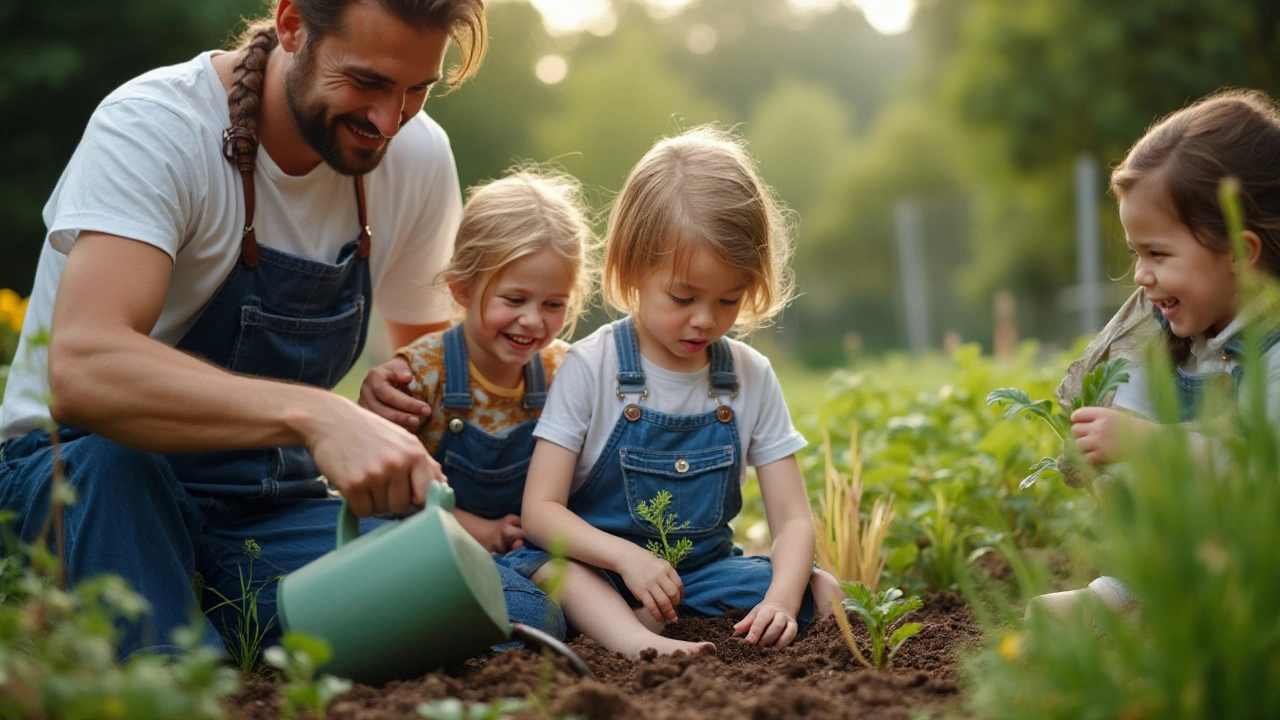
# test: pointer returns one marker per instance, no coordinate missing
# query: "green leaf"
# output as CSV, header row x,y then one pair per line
x,y
1047,463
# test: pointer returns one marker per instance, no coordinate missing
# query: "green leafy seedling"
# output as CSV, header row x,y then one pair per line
x,y
299,658
455,709
882,613
1098,383
655,513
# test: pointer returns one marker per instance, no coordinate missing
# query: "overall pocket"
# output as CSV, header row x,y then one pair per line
x,y
315,351
487,492
696,479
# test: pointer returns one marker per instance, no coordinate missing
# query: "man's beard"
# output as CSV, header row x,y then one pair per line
x,y
321,132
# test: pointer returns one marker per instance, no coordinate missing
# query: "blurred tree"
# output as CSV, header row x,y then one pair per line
x,y
60,60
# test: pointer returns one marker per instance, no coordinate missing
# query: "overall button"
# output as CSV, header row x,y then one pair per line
x,y
455,425
631,412
682,466
724,413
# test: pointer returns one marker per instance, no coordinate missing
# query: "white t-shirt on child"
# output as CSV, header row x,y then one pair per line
x,y
583,405
150,167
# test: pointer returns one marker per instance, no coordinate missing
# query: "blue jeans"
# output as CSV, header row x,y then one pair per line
x,y
134,519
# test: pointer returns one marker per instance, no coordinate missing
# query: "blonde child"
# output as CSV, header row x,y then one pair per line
x,y
520,276
1185,270
662,400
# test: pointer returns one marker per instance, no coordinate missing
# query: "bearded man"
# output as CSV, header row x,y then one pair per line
x,y
215,248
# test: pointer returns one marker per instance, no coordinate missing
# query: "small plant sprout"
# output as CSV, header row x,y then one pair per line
x,y
249,630
455,709
299,658
850,547
882,614
655,512
1099,382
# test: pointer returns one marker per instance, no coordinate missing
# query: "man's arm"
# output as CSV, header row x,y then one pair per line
x,y
110,377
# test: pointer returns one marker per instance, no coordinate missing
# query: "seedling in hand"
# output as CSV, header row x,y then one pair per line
x,y
655,512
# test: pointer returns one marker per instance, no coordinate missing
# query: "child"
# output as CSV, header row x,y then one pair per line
x,y
1174,226
520,275
661,400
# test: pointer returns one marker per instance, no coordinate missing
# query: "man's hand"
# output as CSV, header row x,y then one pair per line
x,y
768,624
653,582
385,393
378,467
1100,432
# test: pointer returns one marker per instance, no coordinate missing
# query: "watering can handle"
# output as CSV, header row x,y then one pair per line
x,y
438,495
535,638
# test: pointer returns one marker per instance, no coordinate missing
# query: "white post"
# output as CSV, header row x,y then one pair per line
x,y
1088,250
915,282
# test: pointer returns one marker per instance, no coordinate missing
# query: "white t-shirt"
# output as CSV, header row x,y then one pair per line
x,y
583,405
150,167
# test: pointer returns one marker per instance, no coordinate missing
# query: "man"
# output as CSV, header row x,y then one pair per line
x,y
201,309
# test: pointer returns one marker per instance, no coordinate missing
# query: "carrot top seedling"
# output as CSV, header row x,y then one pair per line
x,y
655,512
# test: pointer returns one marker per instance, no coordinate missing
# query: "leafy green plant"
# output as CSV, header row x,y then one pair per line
x,y
245,647
455,709
655,513
1098,383
299,656
882,614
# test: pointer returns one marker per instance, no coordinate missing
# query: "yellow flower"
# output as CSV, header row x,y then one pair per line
x,y
15,320
1010,647
13,308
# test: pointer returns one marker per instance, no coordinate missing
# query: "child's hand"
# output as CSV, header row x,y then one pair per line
x,y
768,624
653,582
507,535
384,393
1099,432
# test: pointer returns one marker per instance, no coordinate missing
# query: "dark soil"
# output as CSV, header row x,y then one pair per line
x,y
813,678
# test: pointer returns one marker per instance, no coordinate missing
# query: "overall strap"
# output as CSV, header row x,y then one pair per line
x,y
240,145
535,383
457,378
724,381
631,378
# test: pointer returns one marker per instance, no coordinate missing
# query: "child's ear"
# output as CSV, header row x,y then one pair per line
x,y
1252,248
461,292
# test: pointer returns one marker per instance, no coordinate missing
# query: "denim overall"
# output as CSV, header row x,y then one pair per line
x,y
485,471
698,459
161,520
1192,386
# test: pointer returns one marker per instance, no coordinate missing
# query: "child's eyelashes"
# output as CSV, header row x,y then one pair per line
x,y
679,300
731,303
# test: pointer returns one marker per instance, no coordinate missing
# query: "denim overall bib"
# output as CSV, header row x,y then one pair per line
x,y
698,459
486,471
1192,386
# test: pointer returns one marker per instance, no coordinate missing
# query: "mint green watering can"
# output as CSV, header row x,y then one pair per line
x,y
407,598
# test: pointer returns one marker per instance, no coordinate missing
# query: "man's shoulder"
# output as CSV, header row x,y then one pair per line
x,y
185,85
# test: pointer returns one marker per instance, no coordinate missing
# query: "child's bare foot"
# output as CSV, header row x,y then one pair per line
x,y
667,646
826,590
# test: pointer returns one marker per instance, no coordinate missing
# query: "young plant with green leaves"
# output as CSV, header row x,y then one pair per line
x,y
245,647
1099,382
655,513
455,709
299,656
882,613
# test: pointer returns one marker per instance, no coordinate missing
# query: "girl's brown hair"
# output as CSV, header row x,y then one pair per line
x,y
1234,133
700,186
528,210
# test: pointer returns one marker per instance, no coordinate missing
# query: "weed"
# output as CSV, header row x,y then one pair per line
x,y
655,512
245,644
848,546
882,614
299,658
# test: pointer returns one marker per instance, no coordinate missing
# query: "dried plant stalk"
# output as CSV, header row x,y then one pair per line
x,y
848,546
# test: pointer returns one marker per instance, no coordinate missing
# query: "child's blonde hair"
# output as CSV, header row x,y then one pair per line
x,y
700,186
529,209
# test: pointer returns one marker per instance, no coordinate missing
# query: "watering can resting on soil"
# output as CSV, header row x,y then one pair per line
x,y
407,598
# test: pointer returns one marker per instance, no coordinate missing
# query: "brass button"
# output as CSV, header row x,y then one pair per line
x,y
455,425
724,413
631,412
682,466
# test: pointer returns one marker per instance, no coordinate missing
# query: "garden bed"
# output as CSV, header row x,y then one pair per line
x,y
815,677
